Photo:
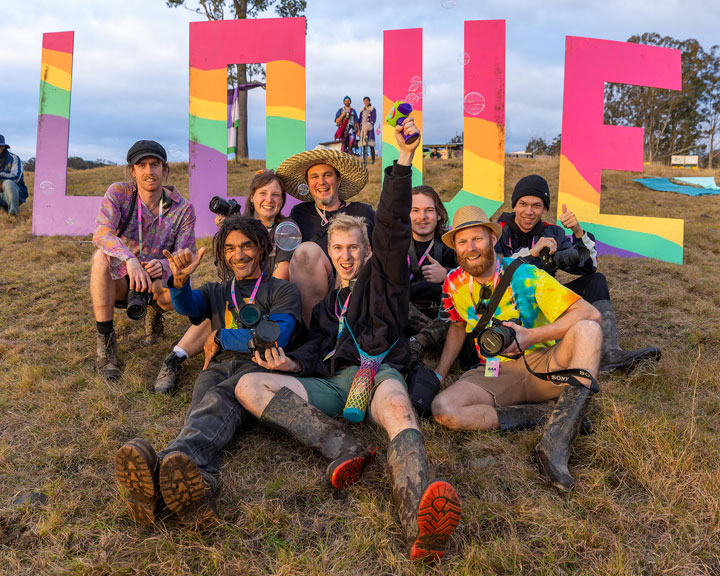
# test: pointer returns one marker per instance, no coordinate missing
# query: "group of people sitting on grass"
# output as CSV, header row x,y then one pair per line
x,y
341,327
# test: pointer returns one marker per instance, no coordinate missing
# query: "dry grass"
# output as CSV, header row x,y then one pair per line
x,y
648,490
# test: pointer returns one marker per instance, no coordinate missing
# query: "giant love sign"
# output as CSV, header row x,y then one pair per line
x,y
588,145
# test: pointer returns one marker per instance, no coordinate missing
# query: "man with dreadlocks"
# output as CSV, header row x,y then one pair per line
x,y
184,475
352,360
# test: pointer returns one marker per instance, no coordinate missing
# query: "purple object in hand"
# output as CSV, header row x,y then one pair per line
x,y
397,116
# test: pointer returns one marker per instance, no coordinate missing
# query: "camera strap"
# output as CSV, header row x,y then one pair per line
x,y
130,213
495,298
568,376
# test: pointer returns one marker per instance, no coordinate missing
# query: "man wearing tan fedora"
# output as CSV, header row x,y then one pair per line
x,y
324,180
351,364
554,327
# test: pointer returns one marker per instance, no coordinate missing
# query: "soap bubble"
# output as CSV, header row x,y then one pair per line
x,y
474,103
69,222
47,187
416,88
412,99
303,189
464,59
287,236
448,4
415,79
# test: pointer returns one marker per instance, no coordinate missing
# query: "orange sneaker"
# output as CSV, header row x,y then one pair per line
x,y
438,516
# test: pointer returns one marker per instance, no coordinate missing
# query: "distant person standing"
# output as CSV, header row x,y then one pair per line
x,y
368,116
13,192
346,119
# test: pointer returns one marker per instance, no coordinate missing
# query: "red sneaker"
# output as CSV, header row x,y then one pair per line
x,y
345,470
438,516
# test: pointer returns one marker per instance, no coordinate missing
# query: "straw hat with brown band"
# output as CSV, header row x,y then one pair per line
x,y
466,217
293,172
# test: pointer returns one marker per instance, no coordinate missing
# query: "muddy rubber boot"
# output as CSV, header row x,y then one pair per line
x,y
166,381
154,328
185,490
106,361
553,451
291,414
613,357
136,470
522,416
429,511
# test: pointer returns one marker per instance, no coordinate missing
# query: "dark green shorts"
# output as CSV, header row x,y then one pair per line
x,y
330,394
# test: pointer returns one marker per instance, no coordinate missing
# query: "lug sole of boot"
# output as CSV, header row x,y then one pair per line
x,y
134,471
438,516
183,489
344,471
557,477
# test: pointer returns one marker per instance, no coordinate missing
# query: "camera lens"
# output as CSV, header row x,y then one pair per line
x,y
219,206
250,315
136,305
491,342
265,335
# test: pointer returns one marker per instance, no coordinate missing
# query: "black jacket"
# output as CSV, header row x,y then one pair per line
x,y
515,243
421,290
378,309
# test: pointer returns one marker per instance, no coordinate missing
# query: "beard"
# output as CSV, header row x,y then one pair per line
x,y
478,267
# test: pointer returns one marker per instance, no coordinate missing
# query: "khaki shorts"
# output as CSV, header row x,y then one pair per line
x,y
514,384
330,394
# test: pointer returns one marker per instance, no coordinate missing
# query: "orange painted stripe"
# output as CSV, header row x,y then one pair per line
x,y
573,184
485,139
286,84
59,60
210,85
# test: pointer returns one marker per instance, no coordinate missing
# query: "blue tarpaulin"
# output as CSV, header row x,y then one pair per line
x,y
664,185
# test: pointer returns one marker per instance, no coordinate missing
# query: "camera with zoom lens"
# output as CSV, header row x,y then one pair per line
x,y
264,336
137,303
563,259
495,338
224,207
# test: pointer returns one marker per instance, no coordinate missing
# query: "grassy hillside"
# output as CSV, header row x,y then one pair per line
x,y
647,499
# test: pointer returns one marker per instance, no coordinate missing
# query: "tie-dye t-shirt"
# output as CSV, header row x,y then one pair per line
x,y
533,296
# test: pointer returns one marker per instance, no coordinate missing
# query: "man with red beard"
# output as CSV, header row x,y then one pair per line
x,y
554,328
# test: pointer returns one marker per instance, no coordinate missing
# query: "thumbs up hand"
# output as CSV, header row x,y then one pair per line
x,y
434,272
569,220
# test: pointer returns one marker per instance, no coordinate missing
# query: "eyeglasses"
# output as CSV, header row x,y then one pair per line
x,y
485,293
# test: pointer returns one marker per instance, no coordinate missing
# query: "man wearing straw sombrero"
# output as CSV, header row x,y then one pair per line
x,y
352,360
329,178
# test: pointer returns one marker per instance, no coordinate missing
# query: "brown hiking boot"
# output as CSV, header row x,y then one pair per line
x,y
167,379
106,362
153,324
184,489
136,469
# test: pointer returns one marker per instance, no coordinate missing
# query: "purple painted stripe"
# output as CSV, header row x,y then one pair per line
x,y
207,178
608,250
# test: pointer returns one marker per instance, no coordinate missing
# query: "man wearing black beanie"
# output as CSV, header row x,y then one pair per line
x,y
526,236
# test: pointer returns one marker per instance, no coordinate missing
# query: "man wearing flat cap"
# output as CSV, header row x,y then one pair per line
x,y
525,235
13,191
324,180
137,220
554,328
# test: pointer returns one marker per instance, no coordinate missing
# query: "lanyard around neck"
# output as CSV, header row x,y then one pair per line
x,y
432,243
251,300
323,216
139,217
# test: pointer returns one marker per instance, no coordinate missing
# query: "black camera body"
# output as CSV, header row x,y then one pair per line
x,y
495,338
264,336
137,303
562,259
224,207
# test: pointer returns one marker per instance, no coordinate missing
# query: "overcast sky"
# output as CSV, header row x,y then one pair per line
x,y
130,76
